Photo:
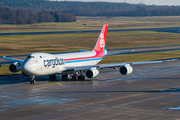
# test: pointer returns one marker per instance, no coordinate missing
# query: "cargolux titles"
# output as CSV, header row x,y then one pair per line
x,y
53,62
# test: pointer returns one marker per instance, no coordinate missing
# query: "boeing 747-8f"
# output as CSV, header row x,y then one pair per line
x,y
76,65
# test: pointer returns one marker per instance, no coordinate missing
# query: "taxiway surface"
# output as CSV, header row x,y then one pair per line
x,y
150,92
163,29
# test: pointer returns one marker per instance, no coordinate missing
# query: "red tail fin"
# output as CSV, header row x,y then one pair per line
x,y
101,42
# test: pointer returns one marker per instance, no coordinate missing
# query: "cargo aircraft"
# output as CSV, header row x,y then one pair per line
x,y
76,65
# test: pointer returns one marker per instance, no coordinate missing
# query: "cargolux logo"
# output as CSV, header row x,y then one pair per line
x,y
102,42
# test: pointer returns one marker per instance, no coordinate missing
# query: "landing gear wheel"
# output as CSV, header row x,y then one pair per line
x,y
32,81
52,77
81,77
74,77
64,77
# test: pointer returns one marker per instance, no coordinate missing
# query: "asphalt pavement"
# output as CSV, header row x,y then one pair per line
x,y
163,29
150,92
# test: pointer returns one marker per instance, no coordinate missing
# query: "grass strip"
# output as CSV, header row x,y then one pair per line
x,y
26,44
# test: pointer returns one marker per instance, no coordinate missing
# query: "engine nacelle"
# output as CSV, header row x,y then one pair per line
x,y
126,69
15,67
92,73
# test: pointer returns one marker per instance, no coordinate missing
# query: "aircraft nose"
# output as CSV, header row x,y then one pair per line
x,y
27,68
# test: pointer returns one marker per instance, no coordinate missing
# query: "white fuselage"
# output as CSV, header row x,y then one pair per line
x,y
39,64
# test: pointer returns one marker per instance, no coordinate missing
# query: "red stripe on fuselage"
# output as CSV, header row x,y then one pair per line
x,y
98,55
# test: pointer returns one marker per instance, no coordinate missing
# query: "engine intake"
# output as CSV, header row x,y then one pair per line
x,y
126,69
92,73
15,67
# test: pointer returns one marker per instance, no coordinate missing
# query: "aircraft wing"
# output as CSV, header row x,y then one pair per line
x,y
131,63
12,60
5,63
112,65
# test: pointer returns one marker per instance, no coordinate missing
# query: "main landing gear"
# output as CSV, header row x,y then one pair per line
x,y
52,77
32,81
79,75
65,77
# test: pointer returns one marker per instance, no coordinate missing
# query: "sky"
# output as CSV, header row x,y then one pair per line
x,y
147,2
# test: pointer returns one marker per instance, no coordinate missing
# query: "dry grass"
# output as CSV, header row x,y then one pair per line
x,y
96,23
4,70
141,38
26,44
141,57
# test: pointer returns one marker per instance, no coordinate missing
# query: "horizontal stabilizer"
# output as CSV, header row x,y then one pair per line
x,y
117,53
81,50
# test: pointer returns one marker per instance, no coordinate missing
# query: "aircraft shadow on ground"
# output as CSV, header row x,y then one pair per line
x,y
140,91
14,79
19,78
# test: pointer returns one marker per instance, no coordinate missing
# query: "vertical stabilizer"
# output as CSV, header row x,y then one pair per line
x,y
101,42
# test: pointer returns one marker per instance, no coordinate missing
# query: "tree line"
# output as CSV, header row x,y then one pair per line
x,y
21,16
121,9
93,8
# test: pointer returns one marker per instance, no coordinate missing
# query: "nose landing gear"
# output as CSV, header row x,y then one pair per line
x,y
32,81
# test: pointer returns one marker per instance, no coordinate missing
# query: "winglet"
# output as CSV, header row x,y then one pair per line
x,y
4,57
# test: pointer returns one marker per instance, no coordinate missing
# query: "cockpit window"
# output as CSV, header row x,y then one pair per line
x,y
30,56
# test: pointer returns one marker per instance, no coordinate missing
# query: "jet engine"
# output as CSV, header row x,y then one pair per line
x,y
92,73
126,69
15,67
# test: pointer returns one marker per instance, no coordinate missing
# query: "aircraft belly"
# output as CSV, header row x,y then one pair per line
x,y
47,71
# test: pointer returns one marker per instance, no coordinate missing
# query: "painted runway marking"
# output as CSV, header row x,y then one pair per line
x,y
174,108
40,101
